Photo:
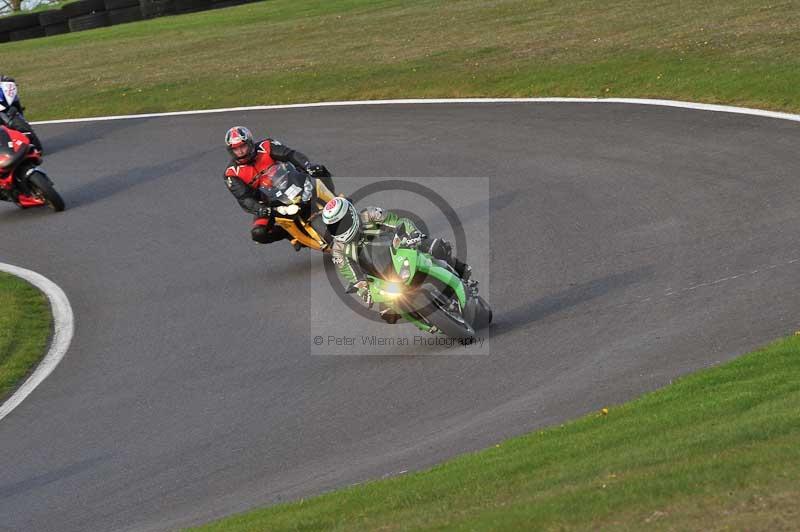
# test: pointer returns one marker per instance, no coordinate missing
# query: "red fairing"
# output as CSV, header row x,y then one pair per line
x,y
21,140
17,138
26,201
7,182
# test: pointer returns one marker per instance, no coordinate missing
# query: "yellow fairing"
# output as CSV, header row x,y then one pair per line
x,y
301,230
323,193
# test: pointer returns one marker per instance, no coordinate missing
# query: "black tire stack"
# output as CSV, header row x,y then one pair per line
x,y
122,11
157,8
190,6
86,15
89,14
54,22
19,27
219,4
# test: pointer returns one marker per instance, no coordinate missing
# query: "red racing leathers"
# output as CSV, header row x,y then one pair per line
x,y
243,181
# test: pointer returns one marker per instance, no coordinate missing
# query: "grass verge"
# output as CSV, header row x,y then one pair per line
x,y
282,51
718,450
25,323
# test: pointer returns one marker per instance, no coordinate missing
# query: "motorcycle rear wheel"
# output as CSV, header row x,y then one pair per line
x,y
42,186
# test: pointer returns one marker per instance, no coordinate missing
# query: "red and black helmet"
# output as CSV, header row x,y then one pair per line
x,y
236,140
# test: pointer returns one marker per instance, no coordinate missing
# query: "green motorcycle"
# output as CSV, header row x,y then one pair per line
x,y
409,284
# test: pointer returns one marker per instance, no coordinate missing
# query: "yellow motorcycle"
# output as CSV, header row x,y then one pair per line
x,y
297,199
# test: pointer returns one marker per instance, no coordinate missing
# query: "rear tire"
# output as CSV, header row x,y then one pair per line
x,y
42,186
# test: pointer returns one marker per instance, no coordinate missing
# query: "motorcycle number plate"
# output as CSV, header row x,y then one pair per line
x,y
293,191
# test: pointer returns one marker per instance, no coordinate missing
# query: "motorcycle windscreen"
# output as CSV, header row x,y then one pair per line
x,y
287,183
375,257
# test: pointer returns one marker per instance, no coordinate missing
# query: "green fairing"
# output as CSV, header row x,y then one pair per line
x,y
426,265
412,256
418,262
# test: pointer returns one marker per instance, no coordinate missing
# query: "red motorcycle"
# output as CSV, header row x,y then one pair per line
x,y
21,179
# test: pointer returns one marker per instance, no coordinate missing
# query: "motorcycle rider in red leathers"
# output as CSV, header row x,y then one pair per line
x,y
249,162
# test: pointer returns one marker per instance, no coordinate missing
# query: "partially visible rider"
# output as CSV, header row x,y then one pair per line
x,y
11,110
351,229
246,173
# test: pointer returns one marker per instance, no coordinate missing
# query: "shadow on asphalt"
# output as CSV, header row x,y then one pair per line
x,y
84,135
527,313
10,213
107,186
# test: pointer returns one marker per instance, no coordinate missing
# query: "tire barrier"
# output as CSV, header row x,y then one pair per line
x,y
125,14
89,14
27,33
83,7
113,5
19,22
89,22
157,8
51,17
190,6
56,29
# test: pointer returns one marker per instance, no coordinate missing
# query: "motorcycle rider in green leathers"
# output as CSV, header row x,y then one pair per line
x,y
351,229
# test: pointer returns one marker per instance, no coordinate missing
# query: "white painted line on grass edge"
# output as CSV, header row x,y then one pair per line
x,y
63,329
418,101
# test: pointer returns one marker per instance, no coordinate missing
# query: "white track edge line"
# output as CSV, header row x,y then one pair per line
x,y
634,101
63,330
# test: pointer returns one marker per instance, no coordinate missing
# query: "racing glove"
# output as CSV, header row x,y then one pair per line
x,y
316,170
363,292
264,211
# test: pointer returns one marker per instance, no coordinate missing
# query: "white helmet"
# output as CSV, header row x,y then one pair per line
x,y
342,219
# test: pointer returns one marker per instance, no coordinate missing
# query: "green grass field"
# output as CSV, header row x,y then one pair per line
x,y
25,323
737,52
719,450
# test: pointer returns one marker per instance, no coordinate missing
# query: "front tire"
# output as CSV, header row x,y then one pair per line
x,y
478,312
42,186
432,306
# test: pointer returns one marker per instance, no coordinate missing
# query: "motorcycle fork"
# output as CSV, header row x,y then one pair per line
x,y
299,233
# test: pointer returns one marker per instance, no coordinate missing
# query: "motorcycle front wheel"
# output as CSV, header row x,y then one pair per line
x,y
432,306
42,187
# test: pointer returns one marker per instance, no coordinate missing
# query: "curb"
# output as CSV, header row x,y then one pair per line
x,y
419,101
63,330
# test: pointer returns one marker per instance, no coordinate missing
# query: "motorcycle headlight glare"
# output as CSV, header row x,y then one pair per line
x,y
392,290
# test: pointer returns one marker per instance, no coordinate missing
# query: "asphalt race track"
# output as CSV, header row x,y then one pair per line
x,y
630,245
